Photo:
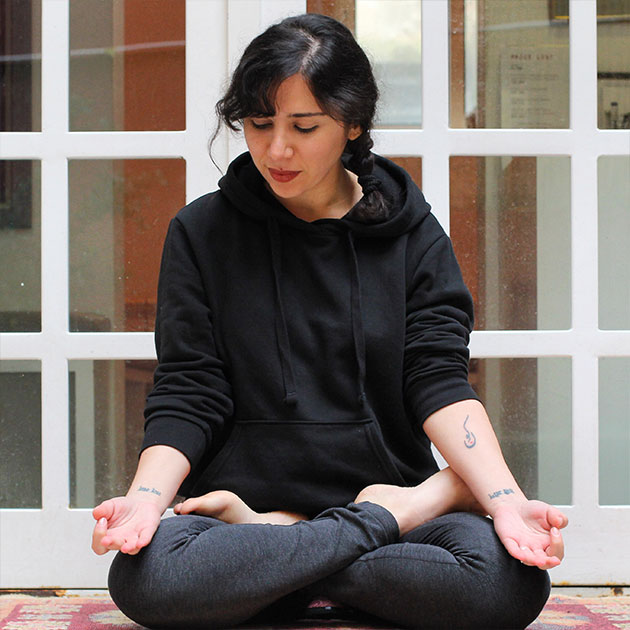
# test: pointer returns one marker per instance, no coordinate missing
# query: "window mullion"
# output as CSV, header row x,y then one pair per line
x,y
435,111
54,244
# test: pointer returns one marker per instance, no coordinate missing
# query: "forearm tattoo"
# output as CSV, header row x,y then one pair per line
x,y
470,440
498,493
150,490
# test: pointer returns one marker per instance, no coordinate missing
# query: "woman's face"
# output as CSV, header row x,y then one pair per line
x,y
298,149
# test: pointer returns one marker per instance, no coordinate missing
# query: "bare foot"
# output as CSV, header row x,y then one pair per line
x,y
441,493
229,507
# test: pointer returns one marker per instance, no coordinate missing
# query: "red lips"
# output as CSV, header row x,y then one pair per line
x,y
283,176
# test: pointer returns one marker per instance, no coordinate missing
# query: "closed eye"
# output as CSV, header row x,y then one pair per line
x,y
260,125
306,129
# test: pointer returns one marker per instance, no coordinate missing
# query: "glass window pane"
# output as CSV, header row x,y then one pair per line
x,y
511,229
509,64
413,166
391,34
614,431
119,214
127,65
20,434
20,65
106,426
529,403
613,64
614,242
20,249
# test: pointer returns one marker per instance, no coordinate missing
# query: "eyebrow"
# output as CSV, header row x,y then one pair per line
x,y
306,115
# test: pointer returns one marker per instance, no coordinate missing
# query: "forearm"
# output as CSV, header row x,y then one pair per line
x,y
161,470
463,434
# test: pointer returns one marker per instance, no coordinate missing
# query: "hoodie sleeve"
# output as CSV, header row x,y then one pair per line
x,y
438,325
191,396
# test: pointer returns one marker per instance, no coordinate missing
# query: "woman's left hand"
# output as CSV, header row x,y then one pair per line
x,y
229,507
530,531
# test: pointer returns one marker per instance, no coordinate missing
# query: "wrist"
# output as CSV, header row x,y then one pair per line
x,y
503,496
148,494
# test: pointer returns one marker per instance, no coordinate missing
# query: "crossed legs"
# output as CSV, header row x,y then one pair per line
x,y
449,571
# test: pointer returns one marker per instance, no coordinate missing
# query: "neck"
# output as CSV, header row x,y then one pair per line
x,y
345,193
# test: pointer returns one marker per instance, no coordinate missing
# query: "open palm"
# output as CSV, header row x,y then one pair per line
x,y
530,532
124,524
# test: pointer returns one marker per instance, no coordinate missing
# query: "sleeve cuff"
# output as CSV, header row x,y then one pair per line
x,y
184,436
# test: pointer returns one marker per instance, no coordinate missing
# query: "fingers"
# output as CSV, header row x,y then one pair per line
x,y
100,529
144,537
131,543
531,557
556,548
129,546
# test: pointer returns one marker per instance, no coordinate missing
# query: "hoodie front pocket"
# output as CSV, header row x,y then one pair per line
x,y
299,466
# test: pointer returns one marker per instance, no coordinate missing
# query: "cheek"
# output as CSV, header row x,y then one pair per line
x,y
254,144
328,153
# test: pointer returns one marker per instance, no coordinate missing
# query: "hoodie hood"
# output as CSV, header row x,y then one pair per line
x,y
245,187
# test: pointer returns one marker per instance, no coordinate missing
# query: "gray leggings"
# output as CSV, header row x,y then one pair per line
x,y
451,572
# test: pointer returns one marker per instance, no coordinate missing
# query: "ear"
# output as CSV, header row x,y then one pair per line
x,y
354,132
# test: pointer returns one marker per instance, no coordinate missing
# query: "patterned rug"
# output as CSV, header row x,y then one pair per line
x,y
97,612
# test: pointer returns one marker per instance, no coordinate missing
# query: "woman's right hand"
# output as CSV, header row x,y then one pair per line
x,y
125,524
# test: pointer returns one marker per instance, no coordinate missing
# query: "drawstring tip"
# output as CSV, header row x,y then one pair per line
x,y
291,399
362,398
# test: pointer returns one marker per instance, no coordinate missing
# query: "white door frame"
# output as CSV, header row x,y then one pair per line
x,y
50,547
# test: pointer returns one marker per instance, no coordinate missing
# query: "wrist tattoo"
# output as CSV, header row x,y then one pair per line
x,y
151,490
498,493
470,440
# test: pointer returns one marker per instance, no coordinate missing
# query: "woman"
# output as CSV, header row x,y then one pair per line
x,y
312,338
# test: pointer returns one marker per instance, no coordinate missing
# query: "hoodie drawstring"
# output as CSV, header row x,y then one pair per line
x,y
357,320
282,333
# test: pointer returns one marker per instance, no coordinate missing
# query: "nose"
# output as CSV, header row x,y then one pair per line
x,y
280,147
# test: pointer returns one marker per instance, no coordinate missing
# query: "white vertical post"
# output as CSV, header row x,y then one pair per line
x,y
435,109
55,81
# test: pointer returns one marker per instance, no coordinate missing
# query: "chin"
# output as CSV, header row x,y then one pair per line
x,y
283,191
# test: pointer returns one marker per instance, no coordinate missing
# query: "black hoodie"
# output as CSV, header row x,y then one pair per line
x,y
298,361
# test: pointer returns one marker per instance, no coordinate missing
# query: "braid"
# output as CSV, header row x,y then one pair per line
x,y
374,206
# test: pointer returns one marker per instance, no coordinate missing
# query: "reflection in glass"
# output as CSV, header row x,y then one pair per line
x,y
511,229
613,64
127,65
119,214
20,434
529,402
509,65
614,431
390,33
614,242
20,249
106,426
20,65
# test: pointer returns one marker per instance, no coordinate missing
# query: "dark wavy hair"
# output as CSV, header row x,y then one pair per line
x,y
325,53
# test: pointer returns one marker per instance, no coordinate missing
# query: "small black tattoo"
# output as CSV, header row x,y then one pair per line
x,y
470,440
151,490
498,493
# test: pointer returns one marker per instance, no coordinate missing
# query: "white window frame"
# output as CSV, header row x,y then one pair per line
x,y
50,547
